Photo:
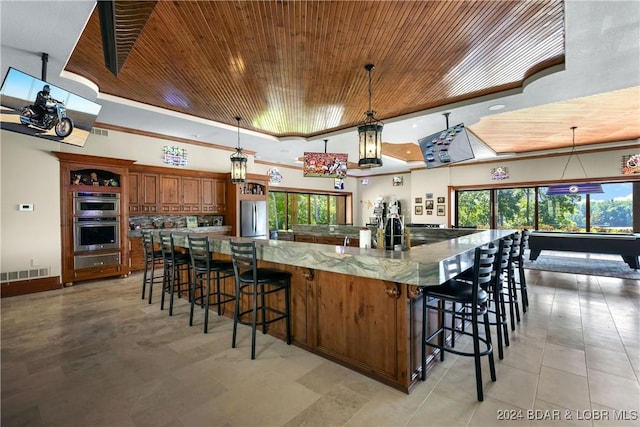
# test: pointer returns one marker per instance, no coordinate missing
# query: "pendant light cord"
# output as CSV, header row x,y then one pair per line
x,y
238,119
573,149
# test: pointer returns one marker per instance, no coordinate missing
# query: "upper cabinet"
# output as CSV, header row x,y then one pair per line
x,y
170,194
190,190
144,191
214,195
157,190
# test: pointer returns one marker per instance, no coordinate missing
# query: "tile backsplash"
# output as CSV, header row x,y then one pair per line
x,y
172,221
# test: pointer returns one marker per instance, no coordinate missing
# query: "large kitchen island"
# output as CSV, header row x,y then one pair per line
x,y
360,307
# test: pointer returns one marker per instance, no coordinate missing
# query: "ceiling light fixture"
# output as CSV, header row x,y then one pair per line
x,y
564,189
370,134
238,162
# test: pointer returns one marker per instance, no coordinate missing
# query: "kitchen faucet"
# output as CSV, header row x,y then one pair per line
x,y
346,241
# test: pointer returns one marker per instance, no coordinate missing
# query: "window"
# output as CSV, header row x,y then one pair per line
x,y
531,208
612,211
287,208
515,208
474,209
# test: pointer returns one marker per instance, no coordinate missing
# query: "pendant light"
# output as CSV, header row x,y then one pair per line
x,y
370,134
564,189
238,162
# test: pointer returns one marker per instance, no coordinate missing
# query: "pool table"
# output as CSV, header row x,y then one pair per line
x,y
625,245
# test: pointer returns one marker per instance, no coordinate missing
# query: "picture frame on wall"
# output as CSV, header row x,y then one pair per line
x,y
397,180
428,196
418,209
428,204
418,200
440,199
430,212
440,210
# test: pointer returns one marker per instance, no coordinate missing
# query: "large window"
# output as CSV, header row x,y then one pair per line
x,y
474,209
287,208
530,207
612,211
515,207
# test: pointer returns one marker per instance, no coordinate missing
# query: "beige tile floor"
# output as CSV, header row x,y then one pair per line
x,y
96,355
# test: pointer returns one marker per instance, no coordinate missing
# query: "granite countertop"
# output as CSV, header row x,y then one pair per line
x,y
211,229
426,265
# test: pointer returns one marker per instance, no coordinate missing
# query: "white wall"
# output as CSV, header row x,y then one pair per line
x,y
29,174
382,186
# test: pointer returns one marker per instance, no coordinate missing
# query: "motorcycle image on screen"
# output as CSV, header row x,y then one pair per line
x,y
54,118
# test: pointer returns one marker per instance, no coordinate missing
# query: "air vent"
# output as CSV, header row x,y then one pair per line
x,y
31,273
100,132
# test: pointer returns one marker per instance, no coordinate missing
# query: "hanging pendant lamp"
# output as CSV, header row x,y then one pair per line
x,y
238,162
370,134
565,189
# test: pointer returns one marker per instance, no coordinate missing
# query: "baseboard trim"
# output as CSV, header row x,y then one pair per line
x,y
23,287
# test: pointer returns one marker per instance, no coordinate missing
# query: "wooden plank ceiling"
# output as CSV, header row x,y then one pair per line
x,y
296,68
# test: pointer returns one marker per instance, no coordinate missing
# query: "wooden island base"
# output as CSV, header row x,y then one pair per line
x,y
368,325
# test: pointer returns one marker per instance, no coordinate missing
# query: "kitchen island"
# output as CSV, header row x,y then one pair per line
x,y
361,307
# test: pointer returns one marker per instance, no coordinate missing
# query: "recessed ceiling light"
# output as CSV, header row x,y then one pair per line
x,y
496,107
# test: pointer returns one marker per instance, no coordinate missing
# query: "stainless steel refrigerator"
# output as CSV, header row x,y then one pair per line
x,y
253,219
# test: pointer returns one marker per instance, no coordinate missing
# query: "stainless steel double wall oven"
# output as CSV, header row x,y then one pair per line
x,y
96,228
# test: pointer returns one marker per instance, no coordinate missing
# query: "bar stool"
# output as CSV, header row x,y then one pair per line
x,y
510,274
496,303
518,261
176,265
204,270
476,299
256,283
152,259
497,291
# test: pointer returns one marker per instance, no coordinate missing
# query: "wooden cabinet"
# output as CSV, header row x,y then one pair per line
x,y
179,194
158,190
149,192
136,254
170,194
190,194
143,192
214,195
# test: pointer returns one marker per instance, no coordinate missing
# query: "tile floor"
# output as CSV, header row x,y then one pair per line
x,y
97,355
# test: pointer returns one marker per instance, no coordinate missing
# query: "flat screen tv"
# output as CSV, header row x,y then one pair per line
x,y
68,121
449,146
325,165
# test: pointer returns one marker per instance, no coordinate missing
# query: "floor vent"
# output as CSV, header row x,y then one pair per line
x,y
100,132
31,273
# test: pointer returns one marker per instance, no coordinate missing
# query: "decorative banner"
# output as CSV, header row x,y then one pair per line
x,y
175,156
275,177
631,164
500,173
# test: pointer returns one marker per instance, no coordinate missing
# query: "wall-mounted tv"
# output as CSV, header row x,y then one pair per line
x,y
325,165
449,146
64,117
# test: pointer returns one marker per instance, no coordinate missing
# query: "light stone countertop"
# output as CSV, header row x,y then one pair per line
x,y
425,265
